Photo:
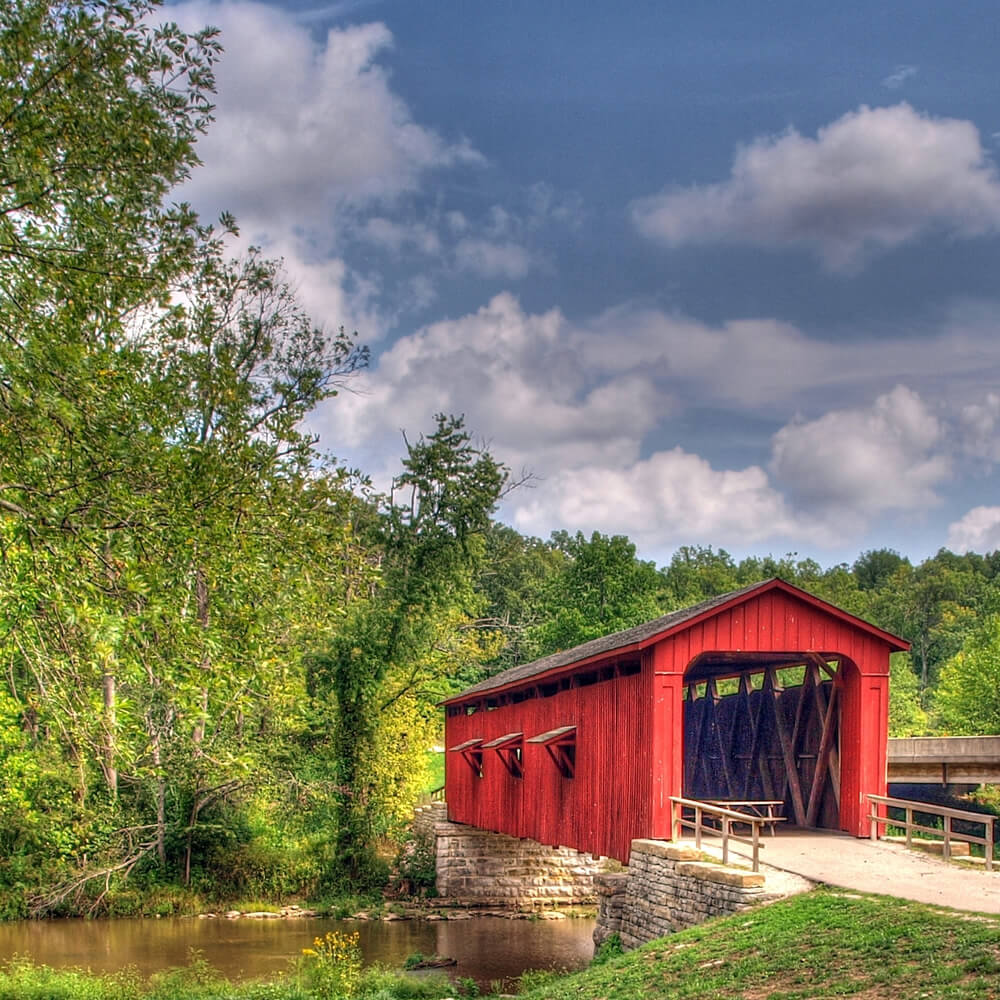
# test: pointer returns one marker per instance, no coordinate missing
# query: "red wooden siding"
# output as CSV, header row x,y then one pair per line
x,y
599,810
629,737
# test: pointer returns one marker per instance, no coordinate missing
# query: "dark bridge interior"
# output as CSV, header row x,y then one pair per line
x,y
765,728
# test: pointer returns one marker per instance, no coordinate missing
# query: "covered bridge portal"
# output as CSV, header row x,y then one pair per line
x,y
763,693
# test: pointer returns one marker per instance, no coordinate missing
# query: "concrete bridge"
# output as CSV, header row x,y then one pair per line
x,y
945,760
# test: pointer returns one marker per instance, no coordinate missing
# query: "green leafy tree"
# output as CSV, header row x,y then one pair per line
x,y
933,605
906,715
602,588
429,533
696,573
967,700
874,568
515,573
163,515
100,109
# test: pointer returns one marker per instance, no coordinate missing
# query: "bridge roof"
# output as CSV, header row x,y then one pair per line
x,y
641,636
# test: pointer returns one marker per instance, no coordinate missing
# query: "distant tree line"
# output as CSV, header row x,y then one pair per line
x,y
546,596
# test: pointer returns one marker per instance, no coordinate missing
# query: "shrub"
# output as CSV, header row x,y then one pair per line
x,y
332,966
609,948
416,867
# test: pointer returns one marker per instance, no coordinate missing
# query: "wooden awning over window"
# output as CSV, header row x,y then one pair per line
x,y
555,735
472,754
561,745
509,750
467,745
502,741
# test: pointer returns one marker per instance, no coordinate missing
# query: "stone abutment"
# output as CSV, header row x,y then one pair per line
x,y
485,869
666,887
669,887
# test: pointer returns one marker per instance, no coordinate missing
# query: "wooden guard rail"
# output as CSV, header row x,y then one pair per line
x,y
947,834
726,818
434,795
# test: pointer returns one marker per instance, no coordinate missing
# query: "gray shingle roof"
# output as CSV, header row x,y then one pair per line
x,y
605,644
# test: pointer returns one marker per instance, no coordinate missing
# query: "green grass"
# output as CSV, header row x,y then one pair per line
x,y
820,945
20,980
435,770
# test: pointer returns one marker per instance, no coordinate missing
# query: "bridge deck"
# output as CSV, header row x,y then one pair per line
x,y
945,760
890,869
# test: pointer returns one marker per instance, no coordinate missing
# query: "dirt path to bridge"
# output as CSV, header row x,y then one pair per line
x,y
844,861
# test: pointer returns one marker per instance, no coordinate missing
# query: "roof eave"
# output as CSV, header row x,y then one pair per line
x,y
895,643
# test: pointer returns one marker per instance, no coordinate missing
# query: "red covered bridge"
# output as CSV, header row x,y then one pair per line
x,y
763,693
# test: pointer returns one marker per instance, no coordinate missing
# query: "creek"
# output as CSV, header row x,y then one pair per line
x,y
486,948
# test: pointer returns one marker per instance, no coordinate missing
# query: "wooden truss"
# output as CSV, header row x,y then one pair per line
x,y
768,742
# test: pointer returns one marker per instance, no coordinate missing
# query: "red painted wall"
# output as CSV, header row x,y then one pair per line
x,y
601,809
629,749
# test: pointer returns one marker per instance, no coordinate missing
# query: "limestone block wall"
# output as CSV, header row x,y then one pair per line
x,y
481,868
667,889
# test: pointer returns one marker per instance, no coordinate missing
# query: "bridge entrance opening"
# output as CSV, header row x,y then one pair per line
x,y
766,727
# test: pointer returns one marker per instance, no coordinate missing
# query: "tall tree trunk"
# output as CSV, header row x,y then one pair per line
x,y
198,734
195,809
110,725
161,803
202,605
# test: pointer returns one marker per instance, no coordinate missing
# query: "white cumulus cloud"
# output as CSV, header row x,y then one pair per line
x,y
977,531
860,462
589,408
301,125
871,180
980,422
671,498
514,376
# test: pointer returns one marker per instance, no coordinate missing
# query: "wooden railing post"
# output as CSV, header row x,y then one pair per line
x,y
727,819
988,847
946,850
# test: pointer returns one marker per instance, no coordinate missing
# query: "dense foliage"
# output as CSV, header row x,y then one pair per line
x,y
221,651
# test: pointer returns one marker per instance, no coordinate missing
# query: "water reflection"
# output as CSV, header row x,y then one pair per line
x,y
486,948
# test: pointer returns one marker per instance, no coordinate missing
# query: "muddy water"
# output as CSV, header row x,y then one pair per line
x,y
486,948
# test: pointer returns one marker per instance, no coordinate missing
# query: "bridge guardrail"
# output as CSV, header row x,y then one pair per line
x,y
947,834
727,818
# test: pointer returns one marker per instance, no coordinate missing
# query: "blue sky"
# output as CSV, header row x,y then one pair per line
x,y
718,273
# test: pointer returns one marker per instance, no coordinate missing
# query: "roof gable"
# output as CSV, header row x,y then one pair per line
x,y
641,636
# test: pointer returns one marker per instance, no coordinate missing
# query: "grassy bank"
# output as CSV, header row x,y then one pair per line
x,y
820,945
823,944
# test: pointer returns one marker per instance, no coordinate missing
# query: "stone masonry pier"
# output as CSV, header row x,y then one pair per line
x,y
485,869
667,888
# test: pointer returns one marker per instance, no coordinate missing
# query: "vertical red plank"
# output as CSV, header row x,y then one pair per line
x,y
668,737
751,617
